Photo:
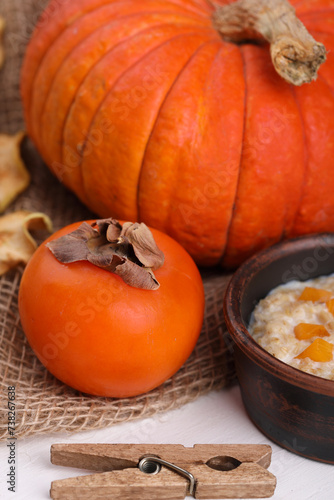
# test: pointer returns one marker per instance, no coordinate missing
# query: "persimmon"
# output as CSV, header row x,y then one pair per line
x,y
315,294
330,306
102,336
305,331
319,350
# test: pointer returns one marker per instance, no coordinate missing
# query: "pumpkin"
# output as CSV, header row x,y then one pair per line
x,y
148,113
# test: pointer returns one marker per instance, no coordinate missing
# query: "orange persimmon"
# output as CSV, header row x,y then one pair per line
x,y
330,306
315,294
305,331
319,350
102,336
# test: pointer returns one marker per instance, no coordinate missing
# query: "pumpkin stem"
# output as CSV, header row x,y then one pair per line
x,y
295,54
129,251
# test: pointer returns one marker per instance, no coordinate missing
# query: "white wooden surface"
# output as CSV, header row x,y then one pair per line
x,y
216,418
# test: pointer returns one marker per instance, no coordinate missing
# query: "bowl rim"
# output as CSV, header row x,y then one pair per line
x,y
241,335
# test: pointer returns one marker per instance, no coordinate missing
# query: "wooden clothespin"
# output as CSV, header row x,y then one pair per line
x,y
164,472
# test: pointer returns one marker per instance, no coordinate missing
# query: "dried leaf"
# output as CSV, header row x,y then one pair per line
x,y
114,229
144,246
14,178
2,52
138,277
76,247
129,251
16,243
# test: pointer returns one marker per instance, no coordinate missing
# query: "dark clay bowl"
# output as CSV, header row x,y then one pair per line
x,y
293,408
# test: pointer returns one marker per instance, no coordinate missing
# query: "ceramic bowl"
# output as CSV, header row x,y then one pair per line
x,y
293,408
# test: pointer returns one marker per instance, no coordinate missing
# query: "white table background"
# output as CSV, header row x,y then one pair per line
x,y
218,417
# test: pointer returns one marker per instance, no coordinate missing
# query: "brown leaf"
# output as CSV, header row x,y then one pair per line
x,y
137,276
73,247
16,243
144,246
110,227
2,52
14,178
105,245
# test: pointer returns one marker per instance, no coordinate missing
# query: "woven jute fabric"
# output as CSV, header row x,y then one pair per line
x,y
44,404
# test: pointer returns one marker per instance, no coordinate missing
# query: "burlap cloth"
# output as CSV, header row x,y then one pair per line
x,y
43,404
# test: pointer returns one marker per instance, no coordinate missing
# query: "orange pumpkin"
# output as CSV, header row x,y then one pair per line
x,y
145,112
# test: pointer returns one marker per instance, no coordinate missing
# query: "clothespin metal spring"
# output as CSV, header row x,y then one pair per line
x,y
152,465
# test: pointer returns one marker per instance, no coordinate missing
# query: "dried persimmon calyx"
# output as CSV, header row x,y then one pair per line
x,y
129,251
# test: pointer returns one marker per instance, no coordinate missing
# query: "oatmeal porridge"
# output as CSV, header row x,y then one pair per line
x,y
295,323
